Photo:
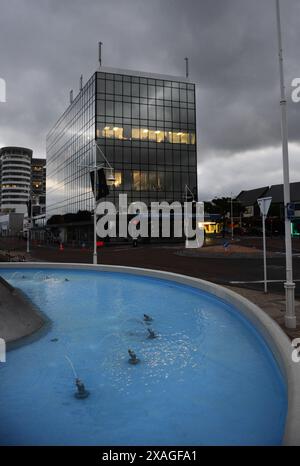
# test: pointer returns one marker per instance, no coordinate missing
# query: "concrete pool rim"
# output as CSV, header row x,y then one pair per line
x,y
274,336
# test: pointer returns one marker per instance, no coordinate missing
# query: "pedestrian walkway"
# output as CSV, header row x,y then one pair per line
x,y
273,304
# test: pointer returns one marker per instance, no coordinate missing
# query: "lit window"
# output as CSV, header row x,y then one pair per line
x,y
118,179
135,134
169,136
144,181
108,132
160,136
152,184
148,181
118,132
176,138
185,138
136,181
152,135
144,134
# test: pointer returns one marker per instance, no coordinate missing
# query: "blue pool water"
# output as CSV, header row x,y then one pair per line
x,y
209,379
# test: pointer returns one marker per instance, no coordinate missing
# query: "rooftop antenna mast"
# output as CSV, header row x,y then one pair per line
x,y
81,83
100,53
186,67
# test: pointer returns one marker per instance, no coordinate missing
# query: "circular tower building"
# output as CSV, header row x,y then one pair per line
x,y
15,176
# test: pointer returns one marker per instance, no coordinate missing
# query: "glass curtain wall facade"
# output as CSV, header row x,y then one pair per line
x,y
68,148
146,127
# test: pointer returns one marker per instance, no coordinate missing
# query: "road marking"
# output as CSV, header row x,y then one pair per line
x,y
235,282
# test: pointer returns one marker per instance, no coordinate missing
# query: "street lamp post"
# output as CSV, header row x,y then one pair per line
x,y
231,214
110,180
289,285
29,223
95,257
28,241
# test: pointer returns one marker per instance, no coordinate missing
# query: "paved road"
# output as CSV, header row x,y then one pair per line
x,y
220,270
169,258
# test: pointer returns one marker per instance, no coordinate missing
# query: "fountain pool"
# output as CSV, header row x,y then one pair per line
x,y
208,378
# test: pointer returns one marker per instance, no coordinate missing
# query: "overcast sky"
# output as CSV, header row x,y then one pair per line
x,y
232,45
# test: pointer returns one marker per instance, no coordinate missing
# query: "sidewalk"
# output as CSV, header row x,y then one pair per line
x,y
274,305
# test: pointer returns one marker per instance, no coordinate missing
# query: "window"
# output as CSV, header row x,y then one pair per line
x,y
175,94
144,134
167,93
144,181
159,113
135,133
135,90
151,92
148,181
183,95
191,116
160,136
176,138
183,115
135,111
143,112
126,88
169,136
160,181
152,181
109,107
126,110
101,107
185,138
118,132
152,112
152,135
118,109
109,87
108,132
136,181
118,179
127,132
118,87
175,114
168,113
159,92
190,96
143,90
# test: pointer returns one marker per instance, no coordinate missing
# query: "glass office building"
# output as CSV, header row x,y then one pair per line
x,y
146,127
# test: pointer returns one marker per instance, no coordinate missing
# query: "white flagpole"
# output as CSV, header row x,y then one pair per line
x,y
289,285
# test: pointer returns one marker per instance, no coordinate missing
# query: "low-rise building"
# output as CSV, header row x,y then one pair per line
x,y
11,224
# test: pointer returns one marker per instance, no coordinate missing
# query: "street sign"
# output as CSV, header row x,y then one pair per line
x,y
264,205
290,211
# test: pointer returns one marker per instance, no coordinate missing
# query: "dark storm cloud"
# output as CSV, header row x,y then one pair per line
x,y
46,45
